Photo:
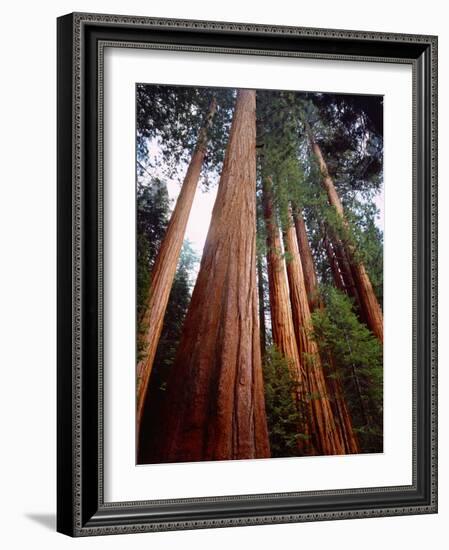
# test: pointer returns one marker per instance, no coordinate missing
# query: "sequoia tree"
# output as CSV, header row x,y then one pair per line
x,y
214,406
164,268
282,323
370,307
327,437
331,376
357,355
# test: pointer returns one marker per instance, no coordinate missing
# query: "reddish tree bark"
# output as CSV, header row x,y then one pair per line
x,y
282,320
372,312
327,437
215,406
341,269
342,417
164,269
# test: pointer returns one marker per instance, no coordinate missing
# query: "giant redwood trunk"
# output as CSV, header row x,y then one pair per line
x,y
215,406
372,312
282,321
164,269
334,386
327,437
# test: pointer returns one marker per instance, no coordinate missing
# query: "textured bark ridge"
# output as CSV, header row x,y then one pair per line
x,y
371,311
338,404
282,319
164,269
326,435
215,407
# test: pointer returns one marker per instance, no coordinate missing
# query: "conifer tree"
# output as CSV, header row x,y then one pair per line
x,y
215,404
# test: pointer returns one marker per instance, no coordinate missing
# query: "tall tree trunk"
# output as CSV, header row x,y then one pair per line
x,y
327,437
215,407
282,320
372,312
340,409
164,269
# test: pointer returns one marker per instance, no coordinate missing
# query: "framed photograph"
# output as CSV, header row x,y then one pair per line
x,y
247,274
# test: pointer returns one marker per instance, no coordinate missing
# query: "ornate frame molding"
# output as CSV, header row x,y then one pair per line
x,y
81,41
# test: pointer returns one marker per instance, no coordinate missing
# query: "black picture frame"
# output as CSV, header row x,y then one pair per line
x,y
81,509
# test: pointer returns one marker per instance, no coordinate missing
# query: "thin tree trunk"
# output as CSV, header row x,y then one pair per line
x,y
340,258
215,406
307,261
164,269
370,306
340,409
333,262
282,320
341,269
327,438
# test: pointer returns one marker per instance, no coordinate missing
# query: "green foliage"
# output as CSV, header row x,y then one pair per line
x,y
151,222
369,244
177,307
349,132
176,311
283,416
169,119
279,150
362,235
359,361
152,215
352,148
